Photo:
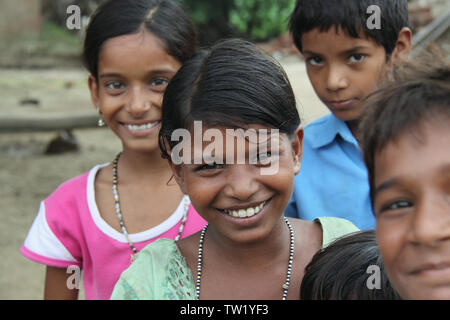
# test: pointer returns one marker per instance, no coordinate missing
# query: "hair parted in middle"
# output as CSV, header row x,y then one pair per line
x,y
233,84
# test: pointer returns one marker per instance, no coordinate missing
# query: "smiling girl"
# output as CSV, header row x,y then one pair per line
x,y
100,220
248,249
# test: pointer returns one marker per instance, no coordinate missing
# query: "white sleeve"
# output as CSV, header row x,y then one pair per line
x,y
41,241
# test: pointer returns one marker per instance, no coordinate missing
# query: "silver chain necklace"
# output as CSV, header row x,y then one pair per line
x,y
285,285
115,189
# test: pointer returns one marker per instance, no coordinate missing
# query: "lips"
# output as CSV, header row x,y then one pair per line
x,y
430,268
341,104
245,212
140,128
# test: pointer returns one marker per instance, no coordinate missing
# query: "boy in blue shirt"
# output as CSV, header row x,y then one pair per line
x,y
347,51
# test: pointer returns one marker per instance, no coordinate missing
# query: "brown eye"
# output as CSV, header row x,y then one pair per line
x,y
115,85
357,58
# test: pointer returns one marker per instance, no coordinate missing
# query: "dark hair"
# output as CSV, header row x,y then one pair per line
x,y
339,272
418,91
231,85
351,16
163,18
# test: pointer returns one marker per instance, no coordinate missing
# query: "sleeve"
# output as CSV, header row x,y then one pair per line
x,y
43,246
334,228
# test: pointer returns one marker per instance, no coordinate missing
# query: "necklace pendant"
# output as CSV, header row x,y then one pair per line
x,y
285,286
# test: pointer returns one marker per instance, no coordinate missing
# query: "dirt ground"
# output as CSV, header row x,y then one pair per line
x,y
27,175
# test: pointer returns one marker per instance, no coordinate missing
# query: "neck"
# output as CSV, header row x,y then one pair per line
x,y
253,254
353,126
144,166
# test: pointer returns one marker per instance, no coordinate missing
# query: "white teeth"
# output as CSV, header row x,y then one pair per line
x,y
245,213
142,127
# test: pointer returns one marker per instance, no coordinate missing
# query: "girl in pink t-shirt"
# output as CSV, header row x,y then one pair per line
x,y
98,222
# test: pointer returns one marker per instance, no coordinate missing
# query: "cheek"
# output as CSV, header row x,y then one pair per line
x,y
315,78
389,241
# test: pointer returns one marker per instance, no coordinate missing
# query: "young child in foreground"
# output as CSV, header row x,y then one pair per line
x,y
350,268
239,103
345,61
97,221
405,137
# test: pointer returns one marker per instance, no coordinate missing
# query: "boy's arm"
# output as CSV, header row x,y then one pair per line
x,y
56,287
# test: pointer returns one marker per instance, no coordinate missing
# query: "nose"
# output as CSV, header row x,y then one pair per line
x,y
242,184
139,101
336,78
431,221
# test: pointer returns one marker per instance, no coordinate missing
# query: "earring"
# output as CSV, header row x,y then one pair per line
x,y
101,120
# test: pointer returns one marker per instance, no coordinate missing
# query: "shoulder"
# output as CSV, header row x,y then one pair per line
x,y
137,280
318,125
75,186
321,132
155,274
333,228
161,248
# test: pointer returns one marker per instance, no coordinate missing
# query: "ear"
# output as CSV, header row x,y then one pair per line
x,y
93,88
297,148
403,45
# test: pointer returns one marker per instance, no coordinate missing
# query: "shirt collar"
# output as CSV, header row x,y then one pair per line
x,y
329,130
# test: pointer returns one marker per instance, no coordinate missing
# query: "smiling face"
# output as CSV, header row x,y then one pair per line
x,y
236,199
412,207
133,72
343,70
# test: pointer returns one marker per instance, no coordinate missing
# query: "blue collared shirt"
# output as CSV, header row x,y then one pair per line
x,y
333,180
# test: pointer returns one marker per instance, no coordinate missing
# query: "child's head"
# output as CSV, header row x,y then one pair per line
x,y
346,48
132,49
350,268
217,103
163,18
405,136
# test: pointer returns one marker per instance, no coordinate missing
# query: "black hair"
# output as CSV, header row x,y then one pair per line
x,y
340,271
418,91
351,16
163,18
232,84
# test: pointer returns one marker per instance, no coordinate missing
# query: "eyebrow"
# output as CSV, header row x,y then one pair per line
x,y
386,185
445,169
346,52
152,72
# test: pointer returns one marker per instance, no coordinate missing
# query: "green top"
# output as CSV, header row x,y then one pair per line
x,y
160,272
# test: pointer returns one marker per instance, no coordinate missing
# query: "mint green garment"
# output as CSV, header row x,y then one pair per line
x,y
160,272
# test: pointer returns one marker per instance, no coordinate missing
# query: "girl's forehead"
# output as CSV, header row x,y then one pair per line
x,y
133,50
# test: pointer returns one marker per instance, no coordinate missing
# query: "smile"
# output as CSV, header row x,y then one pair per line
x,y
141,127
245,212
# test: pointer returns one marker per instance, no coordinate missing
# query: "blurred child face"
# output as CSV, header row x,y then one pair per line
x,y
343,70
237,199
412,207
133,72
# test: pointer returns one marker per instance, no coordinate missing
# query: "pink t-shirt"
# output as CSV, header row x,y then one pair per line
x,y
69,231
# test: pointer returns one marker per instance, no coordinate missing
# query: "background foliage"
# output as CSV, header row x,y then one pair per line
x,y
255,20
